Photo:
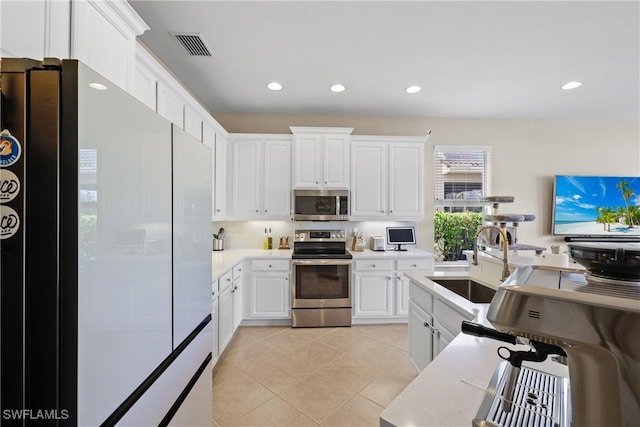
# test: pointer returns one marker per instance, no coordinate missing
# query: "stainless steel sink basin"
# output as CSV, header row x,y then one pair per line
x,y
468,289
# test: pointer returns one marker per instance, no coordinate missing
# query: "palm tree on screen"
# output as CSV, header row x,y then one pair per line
x,y
627,194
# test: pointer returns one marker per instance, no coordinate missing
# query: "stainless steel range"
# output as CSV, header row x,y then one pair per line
x,y
321,288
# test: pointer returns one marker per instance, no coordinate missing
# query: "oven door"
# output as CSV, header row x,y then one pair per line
x,y
321,283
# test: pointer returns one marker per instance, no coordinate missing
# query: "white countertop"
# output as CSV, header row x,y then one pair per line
x,y
224,260
410,253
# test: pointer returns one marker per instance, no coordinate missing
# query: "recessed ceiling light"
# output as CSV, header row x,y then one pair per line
x,y
274,86
571,85
98,86
338,88
413,89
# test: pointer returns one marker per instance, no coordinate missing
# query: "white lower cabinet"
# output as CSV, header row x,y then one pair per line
x,y
433,323
420,337
380,289
269,289
402,294
225,318
373,294
237,291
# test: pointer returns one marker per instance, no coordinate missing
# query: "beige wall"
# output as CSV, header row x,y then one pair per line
x,y
526,154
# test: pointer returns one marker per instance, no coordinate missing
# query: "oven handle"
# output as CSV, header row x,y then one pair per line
x,y
321,262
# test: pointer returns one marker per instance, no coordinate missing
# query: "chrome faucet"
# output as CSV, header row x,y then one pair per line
x,y
505,249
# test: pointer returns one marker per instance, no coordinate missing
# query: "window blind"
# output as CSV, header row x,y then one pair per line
x,y
461,175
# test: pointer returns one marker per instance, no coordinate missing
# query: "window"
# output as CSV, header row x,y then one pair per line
x,y
461,177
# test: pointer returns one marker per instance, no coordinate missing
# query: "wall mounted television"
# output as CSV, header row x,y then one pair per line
x,y
602,207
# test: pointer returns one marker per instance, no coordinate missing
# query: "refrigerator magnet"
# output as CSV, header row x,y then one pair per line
x,y
9,222
10,149
9,185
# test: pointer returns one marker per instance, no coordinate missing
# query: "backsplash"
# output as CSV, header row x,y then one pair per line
x,y
250,234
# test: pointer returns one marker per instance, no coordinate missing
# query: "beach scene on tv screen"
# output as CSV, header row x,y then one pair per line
x,y
597,206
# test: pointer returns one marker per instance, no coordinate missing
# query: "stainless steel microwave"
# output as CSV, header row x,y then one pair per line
x,y
320,205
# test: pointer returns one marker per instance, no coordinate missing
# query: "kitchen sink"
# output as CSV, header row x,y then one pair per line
x,y
468,289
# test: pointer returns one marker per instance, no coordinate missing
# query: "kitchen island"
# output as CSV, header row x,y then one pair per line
x,y
449,391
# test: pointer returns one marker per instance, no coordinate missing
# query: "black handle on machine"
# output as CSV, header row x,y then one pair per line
x,y
478,330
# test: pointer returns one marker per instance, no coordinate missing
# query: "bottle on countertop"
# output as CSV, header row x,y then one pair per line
x,y
269,240
265,242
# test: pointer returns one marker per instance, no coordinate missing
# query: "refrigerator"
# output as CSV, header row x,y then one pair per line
x,y
105,255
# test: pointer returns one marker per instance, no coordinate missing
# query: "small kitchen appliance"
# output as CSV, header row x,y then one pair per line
x,y
321,288
591,318
377,243
321,205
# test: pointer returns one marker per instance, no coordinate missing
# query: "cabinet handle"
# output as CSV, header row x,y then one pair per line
x,y
217,210
373,265
269,265
228,279
286,278
213,293
316,182
382,211
326,182
414,265
239,269
390,211
235,289
265,211
257,211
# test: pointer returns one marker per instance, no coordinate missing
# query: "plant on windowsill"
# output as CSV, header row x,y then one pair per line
x,y
454,233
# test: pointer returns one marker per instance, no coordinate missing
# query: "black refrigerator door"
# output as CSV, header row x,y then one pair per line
x,y
30,254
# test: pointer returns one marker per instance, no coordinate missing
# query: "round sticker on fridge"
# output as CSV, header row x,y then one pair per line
x,y
9,186
10,149
9,222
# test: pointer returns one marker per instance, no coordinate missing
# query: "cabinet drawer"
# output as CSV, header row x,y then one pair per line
x,y
224,281
373,265
421,297
270,265
449,317
237,271
414,264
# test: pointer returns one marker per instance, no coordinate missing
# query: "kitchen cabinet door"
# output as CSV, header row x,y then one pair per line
x,y
225,318
406,193
170,104
236,292
307,149
373,294
441,338
220,178
277,179
369,182
335,161
420,337
270,295
402,294
247,173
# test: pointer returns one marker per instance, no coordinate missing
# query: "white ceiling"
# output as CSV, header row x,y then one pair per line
x,y
477,59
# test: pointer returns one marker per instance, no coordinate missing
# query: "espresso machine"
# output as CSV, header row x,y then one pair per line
x,y
590,321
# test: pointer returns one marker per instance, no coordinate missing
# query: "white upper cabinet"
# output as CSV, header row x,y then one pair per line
x,y
321,157
369,180
277,178
261,176
22,37
387,177
220,176
406,180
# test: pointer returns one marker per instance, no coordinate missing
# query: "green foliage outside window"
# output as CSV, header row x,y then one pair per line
x,y
454,233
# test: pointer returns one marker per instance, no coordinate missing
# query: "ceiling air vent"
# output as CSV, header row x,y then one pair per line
x,y
193,43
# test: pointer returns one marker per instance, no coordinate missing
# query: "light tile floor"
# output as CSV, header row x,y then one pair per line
x,y
281,376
